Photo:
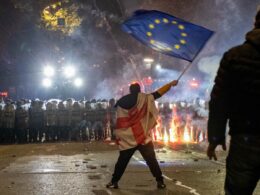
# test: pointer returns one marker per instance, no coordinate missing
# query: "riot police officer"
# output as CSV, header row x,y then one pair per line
x,y
76,118
88,115
36,121
111,110
1,122
50,121
63,121
166,114
9,122
21,123
98,126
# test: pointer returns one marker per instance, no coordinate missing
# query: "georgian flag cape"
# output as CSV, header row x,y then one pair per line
x,y
133,127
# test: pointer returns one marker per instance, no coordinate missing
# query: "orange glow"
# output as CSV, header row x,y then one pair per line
x,y
134,82
194,84
165,137
186,135
172,136
177,132
157,135
4,94
173,131
158,128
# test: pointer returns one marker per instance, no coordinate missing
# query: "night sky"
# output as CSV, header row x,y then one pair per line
x,y
89,36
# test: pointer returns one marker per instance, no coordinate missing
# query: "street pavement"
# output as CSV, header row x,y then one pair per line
x,y
85,168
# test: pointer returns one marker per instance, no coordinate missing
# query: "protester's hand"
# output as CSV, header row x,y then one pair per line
x,y
211,153
174,83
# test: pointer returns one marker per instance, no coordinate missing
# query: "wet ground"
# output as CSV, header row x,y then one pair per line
x,y
85,168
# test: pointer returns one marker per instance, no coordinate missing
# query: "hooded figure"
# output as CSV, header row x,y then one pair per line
x,y
235,98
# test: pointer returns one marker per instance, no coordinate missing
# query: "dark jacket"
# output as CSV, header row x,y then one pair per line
x,y
236,93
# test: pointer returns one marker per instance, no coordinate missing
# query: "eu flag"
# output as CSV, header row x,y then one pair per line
x,y
167,34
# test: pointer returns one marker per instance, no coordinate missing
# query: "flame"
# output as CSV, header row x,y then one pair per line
x,y
173,131
201,137
186,135
165,137
191,134
172,135
158,127
156,134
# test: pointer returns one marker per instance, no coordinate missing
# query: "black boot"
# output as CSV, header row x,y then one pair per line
x,y
161,185
112,185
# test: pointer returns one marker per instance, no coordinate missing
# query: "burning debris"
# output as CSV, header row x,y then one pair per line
x,y
181,122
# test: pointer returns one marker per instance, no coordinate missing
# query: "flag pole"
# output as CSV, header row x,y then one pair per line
x,y
185,69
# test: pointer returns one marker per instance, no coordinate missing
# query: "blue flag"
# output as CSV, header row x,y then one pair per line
x,y
167,34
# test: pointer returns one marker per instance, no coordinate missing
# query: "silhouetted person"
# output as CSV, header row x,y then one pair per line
x,y
236,97
136,117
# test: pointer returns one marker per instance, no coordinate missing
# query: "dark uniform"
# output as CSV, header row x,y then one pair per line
x,y
199,122
98,126
76,118
63,116
111,118
1,123
166,117
69,106
9,123
88,115
36,121
50,121
21,123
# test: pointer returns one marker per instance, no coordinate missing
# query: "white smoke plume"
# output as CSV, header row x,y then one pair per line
x,y
220,20
118,85
209,66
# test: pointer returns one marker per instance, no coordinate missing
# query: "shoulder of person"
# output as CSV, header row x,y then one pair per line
x,y
241,51
123,99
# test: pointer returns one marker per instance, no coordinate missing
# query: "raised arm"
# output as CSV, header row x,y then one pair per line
x,y
164,89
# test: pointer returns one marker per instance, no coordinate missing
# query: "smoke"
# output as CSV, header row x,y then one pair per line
x,y
100,39
118,85
183,91
209,66
164,73
115,83
230,6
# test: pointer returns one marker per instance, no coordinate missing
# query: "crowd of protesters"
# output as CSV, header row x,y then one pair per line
x,y
27,121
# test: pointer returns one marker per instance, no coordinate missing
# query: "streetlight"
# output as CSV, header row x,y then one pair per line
x,y
78,82
158,67
47,82
48,71
69,71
